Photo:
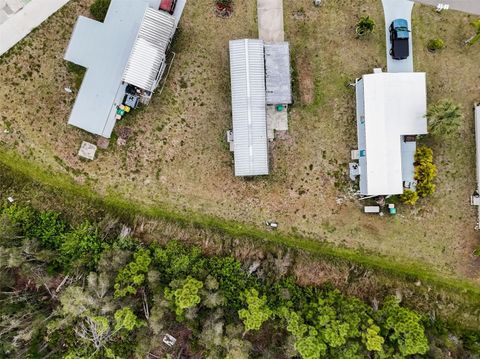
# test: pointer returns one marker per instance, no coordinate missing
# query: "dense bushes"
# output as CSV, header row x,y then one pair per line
x,y
116,302
425,171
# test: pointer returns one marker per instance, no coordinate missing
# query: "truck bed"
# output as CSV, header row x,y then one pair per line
x,y
400,49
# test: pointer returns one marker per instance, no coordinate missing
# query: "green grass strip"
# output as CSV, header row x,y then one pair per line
x,y
122,207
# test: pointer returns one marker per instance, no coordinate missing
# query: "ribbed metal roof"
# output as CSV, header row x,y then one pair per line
x,y
149,51
247,73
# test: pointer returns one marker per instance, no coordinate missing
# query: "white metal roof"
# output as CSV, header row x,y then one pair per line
x,y
392,105
477,141
148,53
247,73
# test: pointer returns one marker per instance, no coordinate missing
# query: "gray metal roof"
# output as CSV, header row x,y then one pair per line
x,y
146,63
278,80
247,74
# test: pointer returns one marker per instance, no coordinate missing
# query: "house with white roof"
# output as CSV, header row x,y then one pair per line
x,y
125,57
391,109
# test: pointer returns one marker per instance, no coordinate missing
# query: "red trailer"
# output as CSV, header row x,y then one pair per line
x,y
168,6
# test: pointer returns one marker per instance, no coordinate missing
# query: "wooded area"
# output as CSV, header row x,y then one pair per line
x,y
86,291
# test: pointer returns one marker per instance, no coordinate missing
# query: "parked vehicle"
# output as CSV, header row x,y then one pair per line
x,y
168,6
399,35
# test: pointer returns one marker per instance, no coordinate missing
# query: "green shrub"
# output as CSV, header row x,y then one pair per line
x,y
425,171
133,274
435,44
365,26
409,197
82,246
99,9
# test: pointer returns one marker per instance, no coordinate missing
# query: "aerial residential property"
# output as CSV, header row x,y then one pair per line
x,y
125,57
261,91
391,109
236,179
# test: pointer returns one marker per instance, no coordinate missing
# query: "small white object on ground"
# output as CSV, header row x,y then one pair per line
x,y
354,170
271,224
87,150
317,2
68,89
10,199
371,209
169,340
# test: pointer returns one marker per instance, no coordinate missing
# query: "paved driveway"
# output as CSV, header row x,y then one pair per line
x,y
270,20
470,6
395,9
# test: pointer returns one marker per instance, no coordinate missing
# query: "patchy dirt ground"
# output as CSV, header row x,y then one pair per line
x,y
177,156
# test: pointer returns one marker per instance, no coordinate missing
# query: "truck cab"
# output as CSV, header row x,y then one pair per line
x,y
168,6
399,38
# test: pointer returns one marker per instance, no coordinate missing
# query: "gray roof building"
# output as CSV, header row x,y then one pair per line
x,y
278,79
247,72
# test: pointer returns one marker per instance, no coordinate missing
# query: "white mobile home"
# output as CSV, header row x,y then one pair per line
x,y
391,110
247,75
125,57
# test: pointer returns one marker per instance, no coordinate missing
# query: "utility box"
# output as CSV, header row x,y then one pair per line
x,y
371,209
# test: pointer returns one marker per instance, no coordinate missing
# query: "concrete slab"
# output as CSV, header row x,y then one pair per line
x,y
270,20
87,150
398,9
19,25
468,6
276,121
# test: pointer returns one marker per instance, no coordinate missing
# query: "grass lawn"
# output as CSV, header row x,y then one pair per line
x,y
178,159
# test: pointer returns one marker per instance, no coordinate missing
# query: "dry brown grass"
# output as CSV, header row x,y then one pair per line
x,y
177,156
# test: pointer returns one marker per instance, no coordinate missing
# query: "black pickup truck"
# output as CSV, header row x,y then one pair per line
x,y
399,35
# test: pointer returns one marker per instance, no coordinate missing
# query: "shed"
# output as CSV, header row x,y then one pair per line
x,y
247,75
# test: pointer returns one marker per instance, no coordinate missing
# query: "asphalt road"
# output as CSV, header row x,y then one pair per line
x,y
469,6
